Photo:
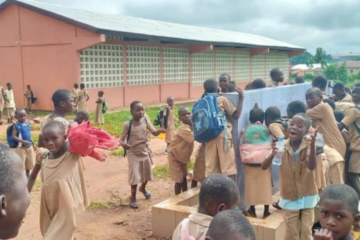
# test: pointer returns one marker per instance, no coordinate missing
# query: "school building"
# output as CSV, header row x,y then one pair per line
x,y
50,47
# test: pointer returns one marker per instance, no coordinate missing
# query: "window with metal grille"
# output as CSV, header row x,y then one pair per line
x,y
258,66
176,65
101,66
224,63
202,67
242,66
271,63
143,65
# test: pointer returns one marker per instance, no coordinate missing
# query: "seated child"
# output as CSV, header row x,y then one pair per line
x,y
14,197
199,166
321,83
258,84
274,123
323,117
61,192
134,139
81,116
230,225
217,193
298,189
180,150
219,157
338,213
22,135
257,182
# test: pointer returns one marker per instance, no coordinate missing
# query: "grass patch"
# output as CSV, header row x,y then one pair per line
x,y
163,171
97,206
35,127
118,152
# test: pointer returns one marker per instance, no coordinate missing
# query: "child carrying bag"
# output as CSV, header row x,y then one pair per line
x,y
208,121
255,144
9,138
185,234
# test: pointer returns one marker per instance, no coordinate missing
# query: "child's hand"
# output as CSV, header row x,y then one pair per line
x,y
240,92
313,135
274,149
323,234
162,130
125,146
26,144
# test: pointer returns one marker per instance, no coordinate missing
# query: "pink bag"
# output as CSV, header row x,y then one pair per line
x,y
185,234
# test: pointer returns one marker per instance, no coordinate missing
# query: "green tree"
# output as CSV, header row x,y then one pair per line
x,y
343,73
320,57
300,59
331,72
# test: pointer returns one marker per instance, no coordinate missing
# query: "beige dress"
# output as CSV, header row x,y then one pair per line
x,y
170,127
139,155
75,93
99,117
1,99
61,196
82,100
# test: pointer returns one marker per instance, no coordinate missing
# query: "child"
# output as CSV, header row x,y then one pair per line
x,y
75,93
330,102
9,103
298,190
217,193
168,121
339,93
232,86
81,116
258,84
257,181
277,76
180,151
2,99
29,96
14,197
220,158
321,83
352,121
61,191
338,213
224,82
199,166
134,140
83,97
323,117
230,225
99,117
22,134
274,123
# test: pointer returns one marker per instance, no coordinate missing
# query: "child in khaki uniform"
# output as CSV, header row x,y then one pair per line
x,y
298,191
83,97
273,122
221,158
180,150
352,121
2,102
217,193
75,93
99,117
10,102
323,117
168,121
134,139
61,192
321,82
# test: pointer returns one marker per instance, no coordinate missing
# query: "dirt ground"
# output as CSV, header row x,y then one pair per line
x,y
107,183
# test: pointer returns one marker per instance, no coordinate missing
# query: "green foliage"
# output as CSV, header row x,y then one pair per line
x,y
309,76
320,57
342,73
301,59
118,152
97,206
331,72
163,171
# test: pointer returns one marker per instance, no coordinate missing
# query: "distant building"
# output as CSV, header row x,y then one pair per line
x,y
52,47
353,67
302,69
346,57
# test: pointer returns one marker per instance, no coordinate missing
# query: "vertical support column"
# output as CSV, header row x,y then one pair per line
x,y
161,64
214,64
250,67
233,66
124,73
265,75
190,75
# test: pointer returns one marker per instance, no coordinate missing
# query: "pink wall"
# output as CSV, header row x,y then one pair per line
x,y
176,90
114,97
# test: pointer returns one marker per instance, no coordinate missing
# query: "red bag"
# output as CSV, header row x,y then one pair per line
x,y
84,139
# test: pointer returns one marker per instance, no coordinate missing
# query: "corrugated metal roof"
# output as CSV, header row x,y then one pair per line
x,y
315,66
102,22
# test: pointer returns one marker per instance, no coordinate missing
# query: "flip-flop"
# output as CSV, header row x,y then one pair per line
x,y
276,205
134,205
147,195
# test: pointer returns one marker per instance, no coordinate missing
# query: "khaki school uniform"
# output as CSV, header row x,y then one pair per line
x,y
2,101
323,117
278,130
61,196
99,116
353,116
10,103
347,98
199,167
170,127
82,100
28,95
198,225
75,93
297,180
180,150
139,155
221,158
336,163
257,185
81,166
321,171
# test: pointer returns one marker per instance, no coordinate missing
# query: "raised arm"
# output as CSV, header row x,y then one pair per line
x,y
239,106
123,136
312,157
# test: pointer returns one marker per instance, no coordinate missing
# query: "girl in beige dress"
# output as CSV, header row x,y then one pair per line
x,y
168,121
134,139
61,191
2,101
83,97
99,117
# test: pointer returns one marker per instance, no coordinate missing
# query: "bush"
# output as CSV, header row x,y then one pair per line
x,y
309,76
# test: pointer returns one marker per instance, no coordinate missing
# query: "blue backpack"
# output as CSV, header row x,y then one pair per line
x,y
9,138
208,121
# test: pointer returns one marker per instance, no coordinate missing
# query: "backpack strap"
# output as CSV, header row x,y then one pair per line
x,y
167,109
128,135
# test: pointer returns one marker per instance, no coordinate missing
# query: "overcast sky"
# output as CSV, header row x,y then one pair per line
x,y
331,24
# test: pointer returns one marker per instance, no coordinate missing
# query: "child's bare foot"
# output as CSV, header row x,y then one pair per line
x,y
266,214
